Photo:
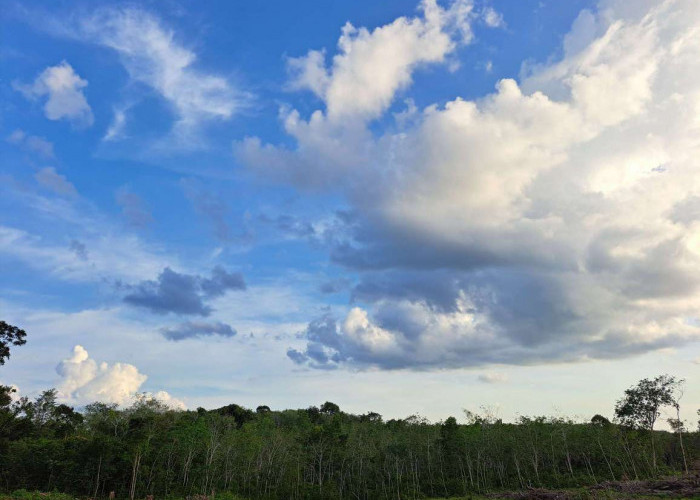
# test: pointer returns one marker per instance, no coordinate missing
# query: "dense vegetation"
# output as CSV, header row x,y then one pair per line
x,y
319,452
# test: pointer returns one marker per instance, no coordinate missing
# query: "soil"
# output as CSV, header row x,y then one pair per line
x,y
687,486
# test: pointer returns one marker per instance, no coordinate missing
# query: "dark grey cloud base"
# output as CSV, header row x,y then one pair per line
x,y
183,294
194,329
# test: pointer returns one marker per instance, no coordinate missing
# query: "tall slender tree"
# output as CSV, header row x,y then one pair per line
x,y
641,405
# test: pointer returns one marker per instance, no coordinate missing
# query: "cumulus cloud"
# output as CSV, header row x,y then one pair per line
x,y
154,57
192,329
181,293
53,181
221,281
371,66
360,84
553,219
63,89
84,380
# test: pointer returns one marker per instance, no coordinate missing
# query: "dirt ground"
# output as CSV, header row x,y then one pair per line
x,y
670,487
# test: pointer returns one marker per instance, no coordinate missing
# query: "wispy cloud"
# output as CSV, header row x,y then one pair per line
x,y
32,143
116,129
110,256
153,56
53,181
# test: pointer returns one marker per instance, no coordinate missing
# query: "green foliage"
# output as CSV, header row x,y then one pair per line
x,y
641,405
600,420
35,495
10,336
314,453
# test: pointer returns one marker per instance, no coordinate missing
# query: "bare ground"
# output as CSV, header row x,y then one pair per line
x,y
670,487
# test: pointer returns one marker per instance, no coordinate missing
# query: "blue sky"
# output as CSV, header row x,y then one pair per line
x,y
396,206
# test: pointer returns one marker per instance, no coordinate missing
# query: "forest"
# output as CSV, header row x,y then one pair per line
x,y
325,453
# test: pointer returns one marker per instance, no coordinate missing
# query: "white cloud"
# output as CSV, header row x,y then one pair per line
x,y
372,66
63,88
52,180
492,18
115,131
167,399
83,380
361,332
559,203
111,256
152,56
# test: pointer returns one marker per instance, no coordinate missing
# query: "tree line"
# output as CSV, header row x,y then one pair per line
x,y
322,452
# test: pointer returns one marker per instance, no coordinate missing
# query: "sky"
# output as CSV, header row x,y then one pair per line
x,y
396,206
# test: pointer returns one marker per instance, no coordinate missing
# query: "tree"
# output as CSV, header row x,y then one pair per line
x,y
10,336
329,408
600,420
641,405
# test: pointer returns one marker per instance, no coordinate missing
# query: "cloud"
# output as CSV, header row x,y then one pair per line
x,y
194,329
323,349
517,228
154,57
492,18
184,294
172,292
37,145
113,257
63,89
493,378
167,399
372,66
364,78
290,225
221,281
115,131
134,208
83,380
53,181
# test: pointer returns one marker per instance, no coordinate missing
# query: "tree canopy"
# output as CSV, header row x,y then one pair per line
x,y
10,335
